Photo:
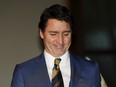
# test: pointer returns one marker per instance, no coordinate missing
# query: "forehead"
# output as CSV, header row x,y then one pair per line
x,y
57,25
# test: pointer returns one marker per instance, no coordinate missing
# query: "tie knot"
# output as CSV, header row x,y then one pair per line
x,y
56,63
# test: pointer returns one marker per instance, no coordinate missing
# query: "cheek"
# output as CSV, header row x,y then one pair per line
x,y
67,40
49,40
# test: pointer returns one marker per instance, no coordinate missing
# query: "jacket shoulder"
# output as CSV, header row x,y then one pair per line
x,y
83,62
31,61
29,64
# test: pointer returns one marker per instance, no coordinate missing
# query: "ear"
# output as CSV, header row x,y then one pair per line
x,y
41,34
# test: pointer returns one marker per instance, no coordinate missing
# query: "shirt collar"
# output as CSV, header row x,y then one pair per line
x,y
50,59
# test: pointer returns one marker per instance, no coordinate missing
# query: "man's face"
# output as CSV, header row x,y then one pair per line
x,y
56,37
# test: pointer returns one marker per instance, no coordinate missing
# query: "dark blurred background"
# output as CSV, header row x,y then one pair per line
x,y
95,35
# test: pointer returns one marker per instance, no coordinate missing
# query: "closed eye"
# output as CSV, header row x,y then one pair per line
x,y
53,34
66,33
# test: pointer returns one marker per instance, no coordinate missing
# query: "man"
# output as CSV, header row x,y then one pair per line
x,y
55,29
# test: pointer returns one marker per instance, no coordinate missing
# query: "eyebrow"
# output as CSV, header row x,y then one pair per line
x,y
68,31
53,31
57,31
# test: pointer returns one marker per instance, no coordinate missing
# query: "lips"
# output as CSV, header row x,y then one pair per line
x,y
59,46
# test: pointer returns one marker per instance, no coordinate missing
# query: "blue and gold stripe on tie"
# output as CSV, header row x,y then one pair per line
x,y
57,80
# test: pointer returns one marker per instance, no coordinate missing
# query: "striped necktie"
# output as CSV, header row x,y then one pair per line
x,y
57,80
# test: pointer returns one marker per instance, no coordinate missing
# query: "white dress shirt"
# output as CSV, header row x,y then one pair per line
x,y
64,66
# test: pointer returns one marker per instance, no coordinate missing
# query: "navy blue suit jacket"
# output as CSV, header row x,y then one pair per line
x,y
33,73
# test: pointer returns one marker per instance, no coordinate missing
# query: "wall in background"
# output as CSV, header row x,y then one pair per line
x,y
19,33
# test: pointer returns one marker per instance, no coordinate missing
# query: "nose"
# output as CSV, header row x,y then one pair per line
x,y
60,39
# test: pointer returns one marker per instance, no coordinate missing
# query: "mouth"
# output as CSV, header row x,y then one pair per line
x,y
59,46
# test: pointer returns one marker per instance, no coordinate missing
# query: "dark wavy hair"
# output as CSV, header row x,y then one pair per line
x,y
58,12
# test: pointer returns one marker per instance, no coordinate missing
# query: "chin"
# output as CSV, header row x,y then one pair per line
x,y
58,55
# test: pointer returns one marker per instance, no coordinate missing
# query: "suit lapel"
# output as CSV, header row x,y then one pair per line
x,y
79,73
42,73
75,71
